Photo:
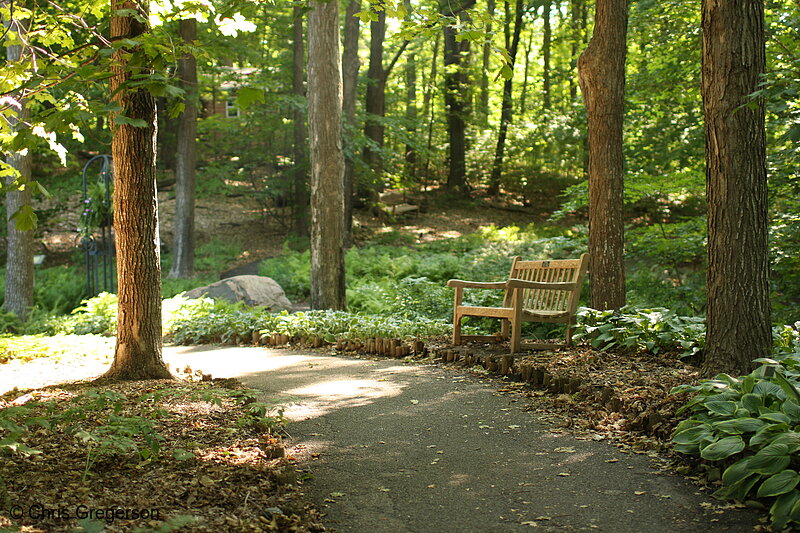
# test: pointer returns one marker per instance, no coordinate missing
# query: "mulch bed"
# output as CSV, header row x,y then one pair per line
x,y
217,469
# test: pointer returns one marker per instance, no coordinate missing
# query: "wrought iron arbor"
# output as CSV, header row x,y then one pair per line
x,y
97,232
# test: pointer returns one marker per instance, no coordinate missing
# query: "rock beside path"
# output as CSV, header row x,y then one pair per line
x,y
252,290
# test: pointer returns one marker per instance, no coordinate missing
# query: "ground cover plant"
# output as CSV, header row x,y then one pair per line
x,y
747,426
193,449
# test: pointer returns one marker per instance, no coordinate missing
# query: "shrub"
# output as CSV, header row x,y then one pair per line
x,y
749,426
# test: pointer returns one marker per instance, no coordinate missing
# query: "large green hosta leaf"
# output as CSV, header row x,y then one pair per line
x,y
780,483
722,448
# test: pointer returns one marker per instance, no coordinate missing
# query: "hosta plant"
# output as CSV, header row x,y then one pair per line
x,y
751,426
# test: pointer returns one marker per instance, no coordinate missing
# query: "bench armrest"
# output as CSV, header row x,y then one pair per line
x,y
514,283
476,284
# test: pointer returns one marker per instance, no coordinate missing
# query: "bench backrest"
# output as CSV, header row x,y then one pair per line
x,y
555,271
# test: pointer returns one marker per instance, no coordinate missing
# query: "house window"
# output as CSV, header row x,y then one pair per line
x,y
231,109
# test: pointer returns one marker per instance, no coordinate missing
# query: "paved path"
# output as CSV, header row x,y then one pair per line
x,y
406,448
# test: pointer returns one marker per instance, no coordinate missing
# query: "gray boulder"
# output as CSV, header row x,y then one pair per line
x,y
252,290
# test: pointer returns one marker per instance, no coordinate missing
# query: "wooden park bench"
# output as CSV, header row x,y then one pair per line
x,y
535,291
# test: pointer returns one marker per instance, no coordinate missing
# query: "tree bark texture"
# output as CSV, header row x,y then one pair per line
x,y
375,105
327,160
19,258
301,207
601,70
507,109
350,66
455,99
186,160
737,283
138,349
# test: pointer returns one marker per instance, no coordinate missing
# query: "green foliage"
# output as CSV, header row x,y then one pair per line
x,y
207,321
655,330
749,425
96,316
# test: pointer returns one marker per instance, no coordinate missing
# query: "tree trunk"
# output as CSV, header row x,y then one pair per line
x,y
546,43
138,350
483,98
455,100
350,65
327,160
375,105
523,104
507,110
19,258
186,162
411,116
300,213
428,109
738,313
601,71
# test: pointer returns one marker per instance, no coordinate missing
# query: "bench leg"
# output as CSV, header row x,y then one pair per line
x,y
456,329
569,333
504,328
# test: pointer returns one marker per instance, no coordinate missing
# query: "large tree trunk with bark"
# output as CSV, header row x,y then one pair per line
x,y
737,283
138,350
186,161
350,65
507,110
601,70
300,213
455,97
19,258
327,160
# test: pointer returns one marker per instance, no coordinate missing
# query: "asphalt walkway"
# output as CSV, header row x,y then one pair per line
x,y
396,447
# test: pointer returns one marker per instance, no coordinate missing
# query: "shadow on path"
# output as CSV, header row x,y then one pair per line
x,y
406,448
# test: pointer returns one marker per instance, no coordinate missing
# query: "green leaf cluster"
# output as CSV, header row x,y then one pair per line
x,y
656,330
752,426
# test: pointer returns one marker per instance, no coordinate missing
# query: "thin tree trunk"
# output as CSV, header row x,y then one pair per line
x,y
350,65
523,105
300,218
601,69
138,349
19,258
375,105
546,44
429,110
327,160
186,161
739,313
507,110
455,98
483,107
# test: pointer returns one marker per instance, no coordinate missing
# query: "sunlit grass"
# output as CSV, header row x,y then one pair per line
x,y
57,347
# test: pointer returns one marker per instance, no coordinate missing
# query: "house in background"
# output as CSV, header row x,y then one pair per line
x,y
223,86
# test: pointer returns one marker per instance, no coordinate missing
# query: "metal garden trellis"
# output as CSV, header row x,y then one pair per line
x,y
97,232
